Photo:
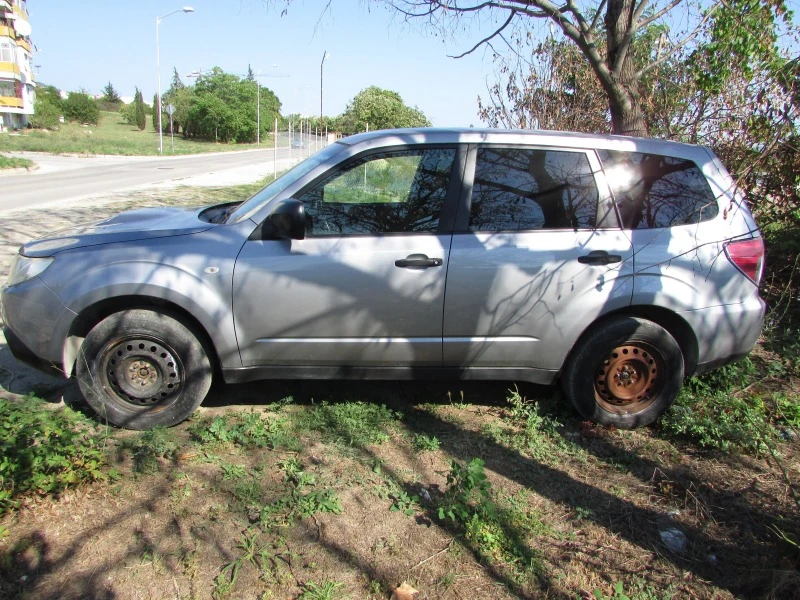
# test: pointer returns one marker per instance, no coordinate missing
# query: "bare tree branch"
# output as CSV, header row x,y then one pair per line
x,y
486,40
598,14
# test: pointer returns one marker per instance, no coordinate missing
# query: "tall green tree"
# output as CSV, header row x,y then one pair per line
x,y
140,111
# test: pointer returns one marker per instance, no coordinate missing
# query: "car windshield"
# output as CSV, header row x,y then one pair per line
x,y
248,208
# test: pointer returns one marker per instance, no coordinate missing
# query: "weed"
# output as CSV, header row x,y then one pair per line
x,y
251,430
404,503
45,451
299,503
352,423
617,593
148,447
528,430
489,529
248,492
425,443
327,590
232,471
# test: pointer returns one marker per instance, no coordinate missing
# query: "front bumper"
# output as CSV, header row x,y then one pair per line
x,y
36,322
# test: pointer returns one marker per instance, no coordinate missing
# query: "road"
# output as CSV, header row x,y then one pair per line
x,y
62,179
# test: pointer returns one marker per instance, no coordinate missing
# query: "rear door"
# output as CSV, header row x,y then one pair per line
x,y
366,286
536,257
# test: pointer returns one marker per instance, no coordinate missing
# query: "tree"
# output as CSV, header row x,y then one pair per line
x,y
223,107
45,114
140,111
48,108
110,94
608,32
155,112
377,108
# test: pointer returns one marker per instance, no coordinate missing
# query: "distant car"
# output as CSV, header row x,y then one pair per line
x,y
296,143
615,265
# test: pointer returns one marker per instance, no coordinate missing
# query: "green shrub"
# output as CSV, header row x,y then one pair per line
x,y
44,451
46,114
79,107
128,113
717,411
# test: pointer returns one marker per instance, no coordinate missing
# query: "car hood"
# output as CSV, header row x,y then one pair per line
x,y
142,224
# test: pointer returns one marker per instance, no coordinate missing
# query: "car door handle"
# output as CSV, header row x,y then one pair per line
x,y
599,257
418,261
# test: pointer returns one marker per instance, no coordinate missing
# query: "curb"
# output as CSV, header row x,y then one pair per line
x,y
18,170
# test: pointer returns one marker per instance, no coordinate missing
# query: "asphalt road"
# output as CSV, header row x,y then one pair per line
x,y
74,178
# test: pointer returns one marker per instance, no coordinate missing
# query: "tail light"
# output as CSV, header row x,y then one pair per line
x,y
748,256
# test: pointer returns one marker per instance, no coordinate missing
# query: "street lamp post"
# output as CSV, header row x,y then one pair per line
x,y
186,9
324,56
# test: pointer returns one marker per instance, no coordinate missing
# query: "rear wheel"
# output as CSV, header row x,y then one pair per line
x,y
141,368
626,372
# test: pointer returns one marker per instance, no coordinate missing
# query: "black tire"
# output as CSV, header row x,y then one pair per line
x,y
140,368
625,372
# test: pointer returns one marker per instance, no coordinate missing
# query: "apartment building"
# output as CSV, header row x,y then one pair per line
x,y
17,87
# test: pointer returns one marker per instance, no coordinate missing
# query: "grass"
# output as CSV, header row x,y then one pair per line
x,y
7,162
111,136
496,493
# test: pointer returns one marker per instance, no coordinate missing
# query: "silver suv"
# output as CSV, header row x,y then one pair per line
x,y
615,265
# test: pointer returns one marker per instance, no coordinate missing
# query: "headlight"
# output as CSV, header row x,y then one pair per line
x,y
24,268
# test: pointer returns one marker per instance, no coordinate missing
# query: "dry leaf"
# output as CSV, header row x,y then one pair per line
x,y
404,592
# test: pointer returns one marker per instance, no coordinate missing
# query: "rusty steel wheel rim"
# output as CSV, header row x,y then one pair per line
x,y
629,378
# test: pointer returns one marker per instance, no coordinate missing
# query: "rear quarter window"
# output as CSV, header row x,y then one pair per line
x,y
653,191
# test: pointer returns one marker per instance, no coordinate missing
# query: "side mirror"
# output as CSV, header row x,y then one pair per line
x,y
287,221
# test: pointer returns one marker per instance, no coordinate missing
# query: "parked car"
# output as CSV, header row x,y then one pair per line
x,y
616,265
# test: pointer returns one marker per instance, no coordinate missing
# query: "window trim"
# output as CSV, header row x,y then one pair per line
x,y
446,214
605,208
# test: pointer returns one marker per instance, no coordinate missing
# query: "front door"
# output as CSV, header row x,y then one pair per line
x,y
366,285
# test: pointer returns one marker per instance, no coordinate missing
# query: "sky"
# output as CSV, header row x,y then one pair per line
x,y
87,43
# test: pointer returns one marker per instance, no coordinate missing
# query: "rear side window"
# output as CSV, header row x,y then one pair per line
x,y
523,189
657,191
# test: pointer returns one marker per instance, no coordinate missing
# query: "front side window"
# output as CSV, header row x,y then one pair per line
x,y
389,192
520,189
657,191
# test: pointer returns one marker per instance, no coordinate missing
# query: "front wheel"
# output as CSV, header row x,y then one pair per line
x,y
626,372
140,368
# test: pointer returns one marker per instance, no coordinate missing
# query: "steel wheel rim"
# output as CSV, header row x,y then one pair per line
x,y
629,378
142,372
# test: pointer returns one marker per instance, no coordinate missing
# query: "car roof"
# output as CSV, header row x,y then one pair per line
x,y
527,137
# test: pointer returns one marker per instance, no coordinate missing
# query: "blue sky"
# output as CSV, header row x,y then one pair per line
x,y
86,43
